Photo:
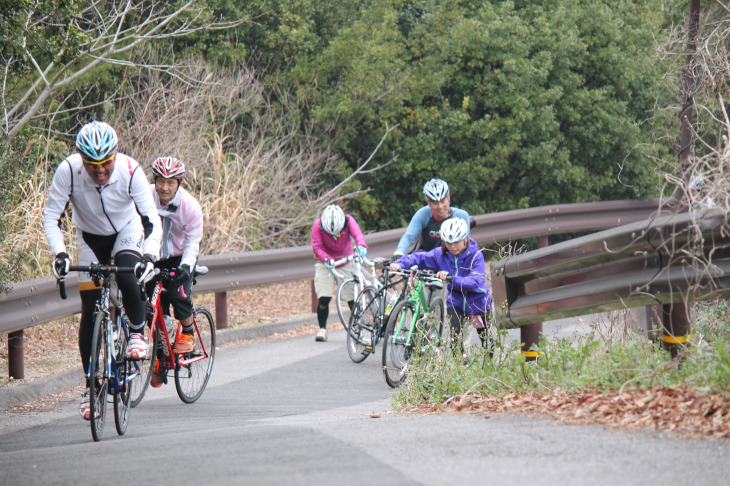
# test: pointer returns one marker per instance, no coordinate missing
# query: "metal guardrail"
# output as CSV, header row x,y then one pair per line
x,y
33,302
662,260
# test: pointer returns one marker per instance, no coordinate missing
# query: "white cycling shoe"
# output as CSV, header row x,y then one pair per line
x,y
137,346
85,407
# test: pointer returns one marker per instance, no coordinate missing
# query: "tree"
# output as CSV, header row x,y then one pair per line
x,y
58,42
517,103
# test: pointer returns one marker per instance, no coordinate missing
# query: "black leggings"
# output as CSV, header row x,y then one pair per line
x,y
132,301
323,310
457,318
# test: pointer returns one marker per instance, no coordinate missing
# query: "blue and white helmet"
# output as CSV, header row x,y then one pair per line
x,y
333,219
436,189
97,141
453,230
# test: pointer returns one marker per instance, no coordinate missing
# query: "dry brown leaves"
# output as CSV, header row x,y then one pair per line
x,y
682,412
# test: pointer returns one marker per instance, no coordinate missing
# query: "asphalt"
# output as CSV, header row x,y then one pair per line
x,y
16,395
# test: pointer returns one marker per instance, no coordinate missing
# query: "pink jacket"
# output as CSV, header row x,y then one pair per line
x,y
327,246
182,226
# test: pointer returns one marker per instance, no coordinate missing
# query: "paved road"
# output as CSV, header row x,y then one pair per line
x,y
299,412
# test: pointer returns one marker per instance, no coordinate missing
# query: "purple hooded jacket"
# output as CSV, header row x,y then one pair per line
x,y
468,290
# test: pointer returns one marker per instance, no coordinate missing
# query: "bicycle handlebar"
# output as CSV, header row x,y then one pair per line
x,y
168,274
427,275
96,270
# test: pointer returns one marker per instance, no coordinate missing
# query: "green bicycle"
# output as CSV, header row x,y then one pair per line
x,y
414,326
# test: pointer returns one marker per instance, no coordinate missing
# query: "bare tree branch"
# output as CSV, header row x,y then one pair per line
x,y
116,28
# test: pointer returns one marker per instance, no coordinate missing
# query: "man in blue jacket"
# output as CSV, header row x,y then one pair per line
x,y
427,221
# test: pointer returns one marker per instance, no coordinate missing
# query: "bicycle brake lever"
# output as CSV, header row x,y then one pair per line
x,y
61,282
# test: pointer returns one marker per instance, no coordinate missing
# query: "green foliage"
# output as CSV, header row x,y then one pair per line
x,y
515,105
40,29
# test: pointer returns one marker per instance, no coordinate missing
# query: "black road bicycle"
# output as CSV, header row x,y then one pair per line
x,y
110,373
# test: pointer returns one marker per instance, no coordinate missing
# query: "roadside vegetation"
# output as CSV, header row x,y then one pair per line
x,y
604,374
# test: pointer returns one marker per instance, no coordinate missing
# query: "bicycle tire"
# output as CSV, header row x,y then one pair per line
x,y
192,378
338,299
140,384
363,320
98,386
396,354
437,309
122,396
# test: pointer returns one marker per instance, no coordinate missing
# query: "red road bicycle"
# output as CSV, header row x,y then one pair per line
x,y
191,370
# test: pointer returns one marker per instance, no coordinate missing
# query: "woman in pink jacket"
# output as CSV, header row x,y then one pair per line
x,y
331,241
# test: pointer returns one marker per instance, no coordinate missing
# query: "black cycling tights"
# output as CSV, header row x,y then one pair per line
x,y
132,301
457,317
323,310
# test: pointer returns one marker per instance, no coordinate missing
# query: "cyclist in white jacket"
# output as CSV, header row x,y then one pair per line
x,y
115,219
182,230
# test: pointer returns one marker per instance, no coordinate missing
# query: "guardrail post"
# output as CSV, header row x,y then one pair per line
x,y
315,301
530,334
221,310
15,355
677,327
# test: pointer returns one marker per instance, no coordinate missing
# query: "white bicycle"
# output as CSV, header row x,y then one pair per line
x,y
363,275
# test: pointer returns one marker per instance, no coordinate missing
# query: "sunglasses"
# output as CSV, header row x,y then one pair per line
x,y
98,162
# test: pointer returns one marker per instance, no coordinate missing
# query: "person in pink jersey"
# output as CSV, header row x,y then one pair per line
x,y
332,236
182,230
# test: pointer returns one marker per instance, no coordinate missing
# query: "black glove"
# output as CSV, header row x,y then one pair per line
x,y
145,269
61,265
183,274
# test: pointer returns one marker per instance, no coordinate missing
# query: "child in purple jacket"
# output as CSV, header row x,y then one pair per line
x,y
468,295
331,241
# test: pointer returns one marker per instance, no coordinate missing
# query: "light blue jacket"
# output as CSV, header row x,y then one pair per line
x,y
419,221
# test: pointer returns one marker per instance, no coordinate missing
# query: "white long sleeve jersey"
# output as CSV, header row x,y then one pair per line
x,y
101,210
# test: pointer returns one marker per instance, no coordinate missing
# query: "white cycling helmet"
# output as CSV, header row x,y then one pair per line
x,y
435,189
453,230
333,219
96,141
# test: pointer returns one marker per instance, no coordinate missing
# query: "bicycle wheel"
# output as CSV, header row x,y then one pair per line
x,y
396,354
122,395
437,331
144,368
363,319
338,299
98,377
192,370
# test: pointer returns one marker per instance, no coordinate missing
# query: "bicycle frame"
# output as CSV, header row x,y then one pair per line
x,y
158,323
108,303
105,304
418,297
